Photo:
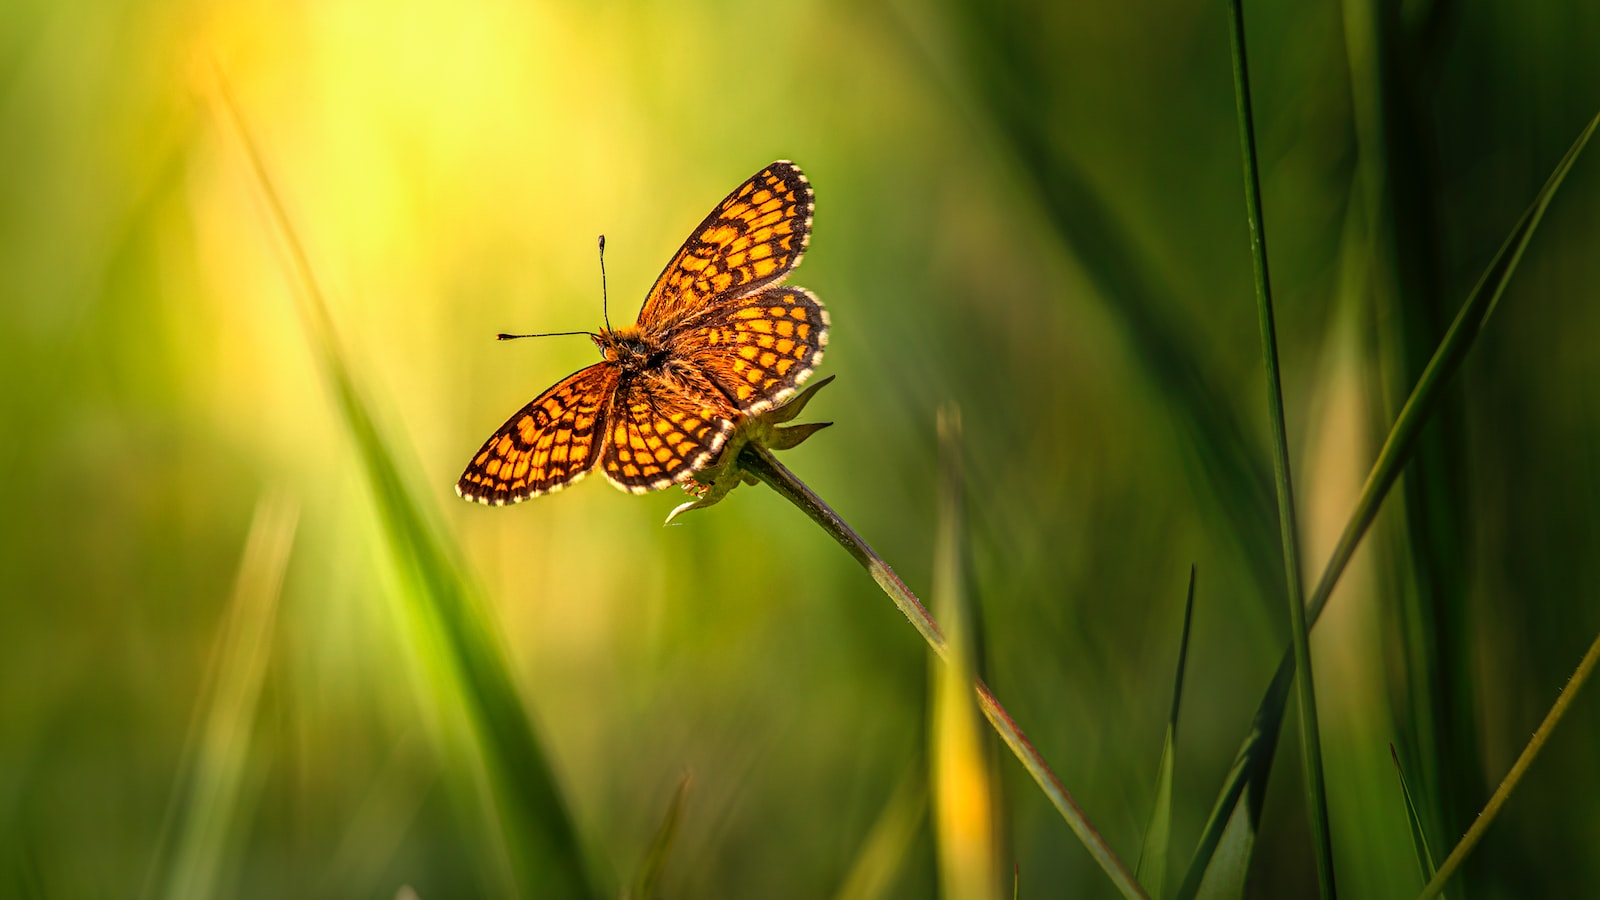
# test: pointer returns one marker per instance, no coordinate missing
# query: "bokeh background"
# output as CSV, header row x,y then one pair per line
x,y
1031,213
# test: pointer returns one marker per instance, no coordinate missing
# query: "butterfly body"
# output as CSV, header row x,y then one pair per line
x,y
718,338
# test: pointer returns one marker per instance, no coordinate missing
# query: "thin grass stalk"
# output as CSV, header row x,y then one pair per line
x,y
1311,741
1525,759
1249,765
217,754
760,462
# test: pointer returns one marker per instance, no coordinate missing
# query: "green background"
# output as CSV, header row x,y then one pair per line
x,y
1034,214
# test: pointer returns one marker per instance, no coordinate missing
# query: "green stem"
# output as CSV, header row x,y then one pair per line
x,y
760,462
1520,768
1311,741
1255,754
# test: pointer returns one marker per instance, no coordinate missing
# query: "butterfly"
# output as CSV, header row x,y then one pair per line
x,y
719,338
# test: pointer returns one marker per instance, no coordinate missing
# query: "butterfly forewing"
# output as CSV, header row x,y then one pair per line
x,y
717,338
753,238
757,349
549,444
661,434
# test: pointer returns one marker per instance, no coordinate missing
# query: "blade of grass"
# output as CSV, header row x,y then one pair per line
x,y
1249,765
1497,801
992,89
884,851
1288,525
965,824
1396,177
758,461
1152,866
648,885
1419,836
376,830
218,758
1222,856
448,627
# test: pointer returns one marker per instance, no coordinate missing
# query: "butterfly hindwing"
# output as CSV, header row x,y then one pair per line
x,y
552,442
757,349
660,434
750,241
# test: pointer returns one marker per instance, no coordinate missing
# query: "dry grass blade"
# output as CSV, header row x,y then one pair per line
x,y
1509,784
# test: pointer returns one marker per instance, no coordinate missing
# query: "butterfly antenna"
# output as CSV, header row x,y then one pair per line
x,y
502,336
604,312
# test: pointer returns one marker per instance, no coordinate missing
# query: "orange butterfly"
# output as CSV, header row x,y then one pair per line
x,y
717,339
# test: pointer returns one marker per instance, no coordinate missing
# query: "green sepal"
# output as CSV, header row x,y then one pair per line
x,y
714,482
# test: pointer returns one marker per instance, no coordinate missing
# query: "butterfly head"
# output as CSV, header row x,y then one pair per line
x,y
630,350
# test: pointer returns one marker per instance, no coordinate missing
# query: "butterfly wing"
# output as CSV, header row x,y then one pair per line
x,y
663,429
758,349
550,443
750,241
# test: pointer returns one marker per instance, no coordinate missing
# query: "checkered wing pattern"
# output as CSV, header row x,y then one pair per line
x,y
760,348
717,338
750,241
662,433
550,443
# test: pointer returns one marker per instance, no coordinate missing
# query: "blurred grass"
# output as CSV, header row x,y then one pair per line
x,y
1026,211
1398,449
1389,61
221,793
1153,853
442,620
967,804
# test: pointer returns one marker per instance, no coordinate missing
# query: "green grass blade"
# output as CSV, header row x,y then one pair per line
x,y
1508,785
1430,558
965,821
1288,524
1230,864
1419,837
1453,348
1222,857
375,831
1230,466
648,885
1392,458
1151,870
883,853
444,617
217,766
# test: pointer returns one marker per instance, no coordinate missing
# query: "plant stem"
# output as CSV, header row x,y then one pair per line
x,y
1518,769
1311,741
1255,754
760,462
